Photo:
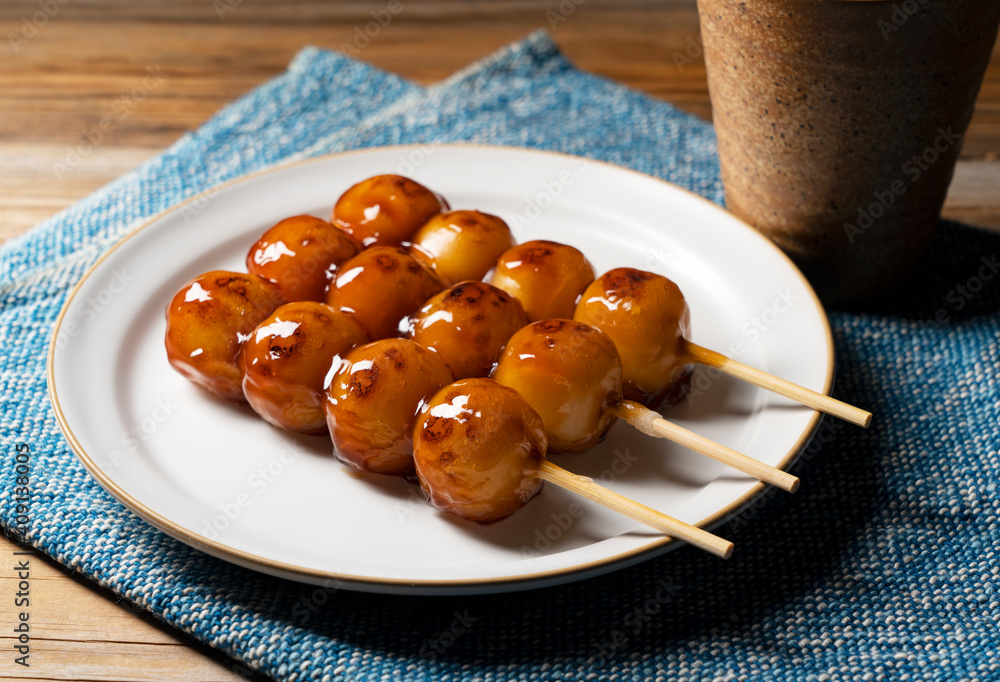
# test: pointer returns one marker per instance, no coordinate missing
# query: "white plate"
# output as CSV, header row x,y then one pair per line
x,y
220,479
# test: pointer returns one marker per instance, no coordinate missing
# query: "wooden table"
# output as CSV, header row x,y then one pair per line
x,y
67,76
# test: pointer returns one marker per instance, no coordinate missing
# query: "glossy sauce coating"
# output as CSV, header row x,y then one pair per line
x,y
381,286
477,447
546,277
467,325
461,245
207,322
373,399
301,255
287,362
646,316
570,374
385,210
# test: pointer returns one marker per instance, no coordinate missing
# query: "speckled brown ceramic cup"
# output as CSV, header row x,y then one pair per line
x,y
839,124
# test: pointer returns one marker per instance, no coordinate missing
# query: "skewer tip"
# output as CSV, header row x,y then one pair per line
x,y
851,414
817,401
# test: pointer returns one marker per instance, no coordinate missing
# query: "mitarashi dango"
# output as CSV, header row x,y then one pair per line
x,y
301,255
207,322
288,359
467,325
570,374
546,277
477,449
381,286
373,400
647,318
385,210
461,245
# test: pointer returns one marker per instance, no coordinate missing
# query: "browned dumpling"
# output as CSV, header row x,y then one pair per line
x,y
301,255
385,210
372,403
461,245
206,323
287,361
570,374
467,325
477,448
546,277
647,318
381,286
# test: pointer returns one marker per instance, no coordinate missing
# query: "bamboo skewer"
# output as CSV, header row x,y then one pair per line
x,y
652,424
586,487
817,401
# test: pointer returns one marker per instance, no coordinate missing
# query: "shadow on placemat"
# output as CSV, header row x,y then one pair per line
x,y
957,278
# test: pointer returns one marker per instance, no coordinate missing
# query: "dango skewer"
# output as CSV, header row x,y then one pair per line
x,y
571,374
646,316
479,452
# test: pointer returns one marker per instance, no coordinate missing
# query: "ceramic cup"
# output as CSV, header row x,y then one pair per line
x,y
840,122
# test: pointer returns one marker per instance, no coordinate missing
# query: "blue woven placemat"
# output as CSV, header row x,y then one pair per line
x,y
883,566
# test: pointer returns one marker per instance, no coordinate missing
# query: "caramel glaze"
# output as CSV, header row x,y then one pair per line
x,y
301,255
287,362
373,399
381,286
546,277
467,325
647,318
461,245
477,447
207,322
569,372
385,210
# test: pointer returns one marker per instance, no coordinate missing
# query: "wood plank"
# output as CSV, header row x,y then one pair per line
x,y
75,83
974,195
303,11
210,65
31,191
78,632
